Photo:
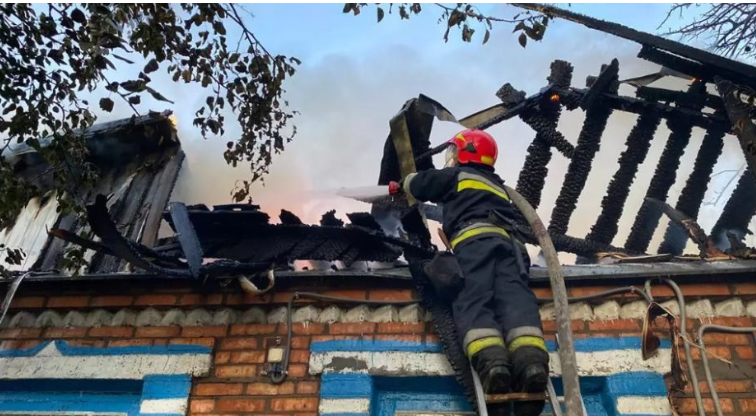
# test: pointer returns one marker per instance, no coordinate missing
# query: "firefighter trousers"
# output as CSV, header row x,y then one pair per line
x,y
495,300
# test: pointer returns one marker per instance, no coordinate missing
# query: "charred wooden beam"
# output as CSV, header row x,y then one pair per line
x,y
533,174
693,193
589,141
722,65
738,211
739,112
666,171
670,96
705,247
638,106
676,63
637,145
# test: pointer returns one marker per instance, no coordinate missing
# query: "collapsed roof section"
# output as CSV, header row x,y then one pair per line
x,y
138,158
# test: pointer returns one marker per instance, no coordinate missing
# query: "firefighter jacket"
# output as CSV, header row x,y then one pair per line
x,y
473,198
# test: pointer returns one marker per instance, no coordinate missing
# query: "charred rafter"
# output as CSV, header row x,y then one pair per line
x,y
588,145
637,145
738,211
666,171
692,195
533,174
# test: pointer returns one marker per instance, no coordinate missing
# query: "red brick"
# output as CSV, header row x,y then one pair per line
x,y
247,299
21,333
248,357
542,292
299,356
94,343
158,331
111,301
222,357
269,389
236,371
745,353
352,328
744,289
400,337
589,290
350,294
718,352
204,331
710,289
239,405
400,328
28,302
294,404
214,299
18,344
308,387
689,405
219,389
432,339
130,342
390,294
238,344
71,332
201,406
285,297
253,329
297,370
713,338
156,300
310,328
728,386
576,324
305,414
161,341
615,325
731,321
207,342
68,301
300,342
747,405
111,332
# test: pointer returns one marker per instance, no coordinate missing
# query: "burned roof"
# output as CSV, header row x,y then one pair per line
x,y
242,237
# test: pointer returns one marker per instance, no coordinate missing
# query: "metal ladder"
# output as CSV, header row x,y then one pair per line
x,y
483,399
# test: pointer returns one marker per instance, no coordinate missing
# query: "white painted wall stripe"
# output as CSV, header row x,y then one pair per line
x,y
344,406
599,363
643,405
50,363
172,406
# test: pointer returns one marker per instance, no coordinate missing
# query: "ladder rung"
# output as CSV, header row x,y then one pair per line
x,y
515,397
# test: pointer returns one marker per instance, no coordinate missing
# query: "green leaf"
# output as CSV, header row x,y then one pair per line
x,y
151,66
380,14
134,99
123,59
156,95
348,7
78,16
106,104
219,28
523,40
486,36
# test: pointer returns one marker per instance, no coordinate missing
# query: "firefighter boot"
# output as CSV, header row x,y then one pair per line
x,y
491,361
530,363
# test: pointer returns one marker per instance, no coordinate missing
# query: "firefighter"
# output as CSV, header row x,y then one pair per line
x,y
496,313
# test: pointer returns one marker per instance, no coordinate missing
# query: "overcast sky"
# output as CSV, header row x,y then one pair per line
x,y
356,74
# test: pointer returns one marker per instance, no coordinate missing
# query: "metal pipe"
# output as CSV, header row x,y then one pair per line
x,y
688,358
10,294
573,398
705,359
280,377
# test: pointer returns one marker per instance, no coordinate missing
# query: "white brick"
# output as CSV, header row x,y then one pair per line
x,y
634,310
730,308
607,311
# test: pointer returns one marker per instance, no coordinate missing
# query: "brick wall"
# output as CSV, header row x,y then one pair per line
x,y
235,385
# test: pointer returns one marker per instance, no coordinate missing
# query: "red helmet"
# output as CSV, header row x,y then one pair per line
x,y
475,146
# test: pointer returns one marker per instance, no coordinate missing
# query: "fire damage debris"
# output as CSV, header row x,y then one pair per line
x,y
234,240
